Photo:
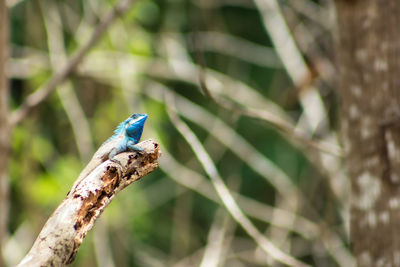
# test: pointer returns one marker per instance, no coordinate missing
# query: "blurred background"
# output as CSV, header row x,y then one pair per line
x,y
252,81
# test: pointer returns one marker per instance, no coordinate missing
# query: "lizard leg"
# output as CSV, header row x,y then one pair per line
x,y
112,155
131,147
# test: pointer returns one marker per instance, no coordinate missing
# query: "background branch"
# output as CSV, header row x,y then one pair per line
x,y
44,91
224,193
271,131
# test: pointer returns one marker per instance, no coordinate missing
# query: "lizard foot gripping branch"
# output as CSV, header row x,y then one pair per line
x,y
60,238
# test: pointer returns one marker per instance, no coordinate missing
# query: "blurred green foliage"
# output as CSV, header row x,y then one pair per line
x,y
156,218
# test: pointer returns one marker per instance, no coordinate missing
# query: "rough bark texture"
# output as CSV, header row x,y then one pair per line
x,y
60,238
369,64
4,126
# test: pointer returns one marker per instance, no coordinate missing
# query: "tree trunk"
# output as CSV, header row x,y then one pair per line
x,y
369,64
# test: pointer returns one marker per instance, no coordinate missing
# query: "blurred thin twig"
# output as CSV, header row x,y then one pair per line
x,y
281,124
213,254
236,143
224,193
312,11
231,45
67,96
45,90
260,164
261,211
102,245
314,114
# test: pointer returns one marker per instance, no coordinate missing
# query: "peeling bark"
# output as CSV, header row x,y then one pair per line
x,y
60,238
369,64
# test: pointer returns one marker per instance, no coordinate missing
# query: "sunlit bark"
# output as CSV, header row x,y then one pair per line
x,y
369,64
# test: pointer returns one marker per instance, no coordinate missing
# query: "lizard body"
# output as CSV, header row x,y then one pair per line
x,y
125,137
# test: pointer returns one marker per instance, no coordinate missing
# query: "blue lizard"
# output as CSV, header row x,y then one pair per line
x,y
125,138
127,134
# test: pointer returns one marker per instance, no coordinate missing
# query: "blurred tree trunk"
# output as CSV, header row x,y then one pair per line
x,y
4,127
369,64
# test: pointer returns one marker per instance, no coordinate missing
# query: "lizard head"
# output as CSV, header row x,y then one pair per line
x,y
134,126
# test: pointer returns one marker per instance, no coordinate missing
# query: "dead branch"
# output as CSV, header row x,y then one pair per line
x,y
63,233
